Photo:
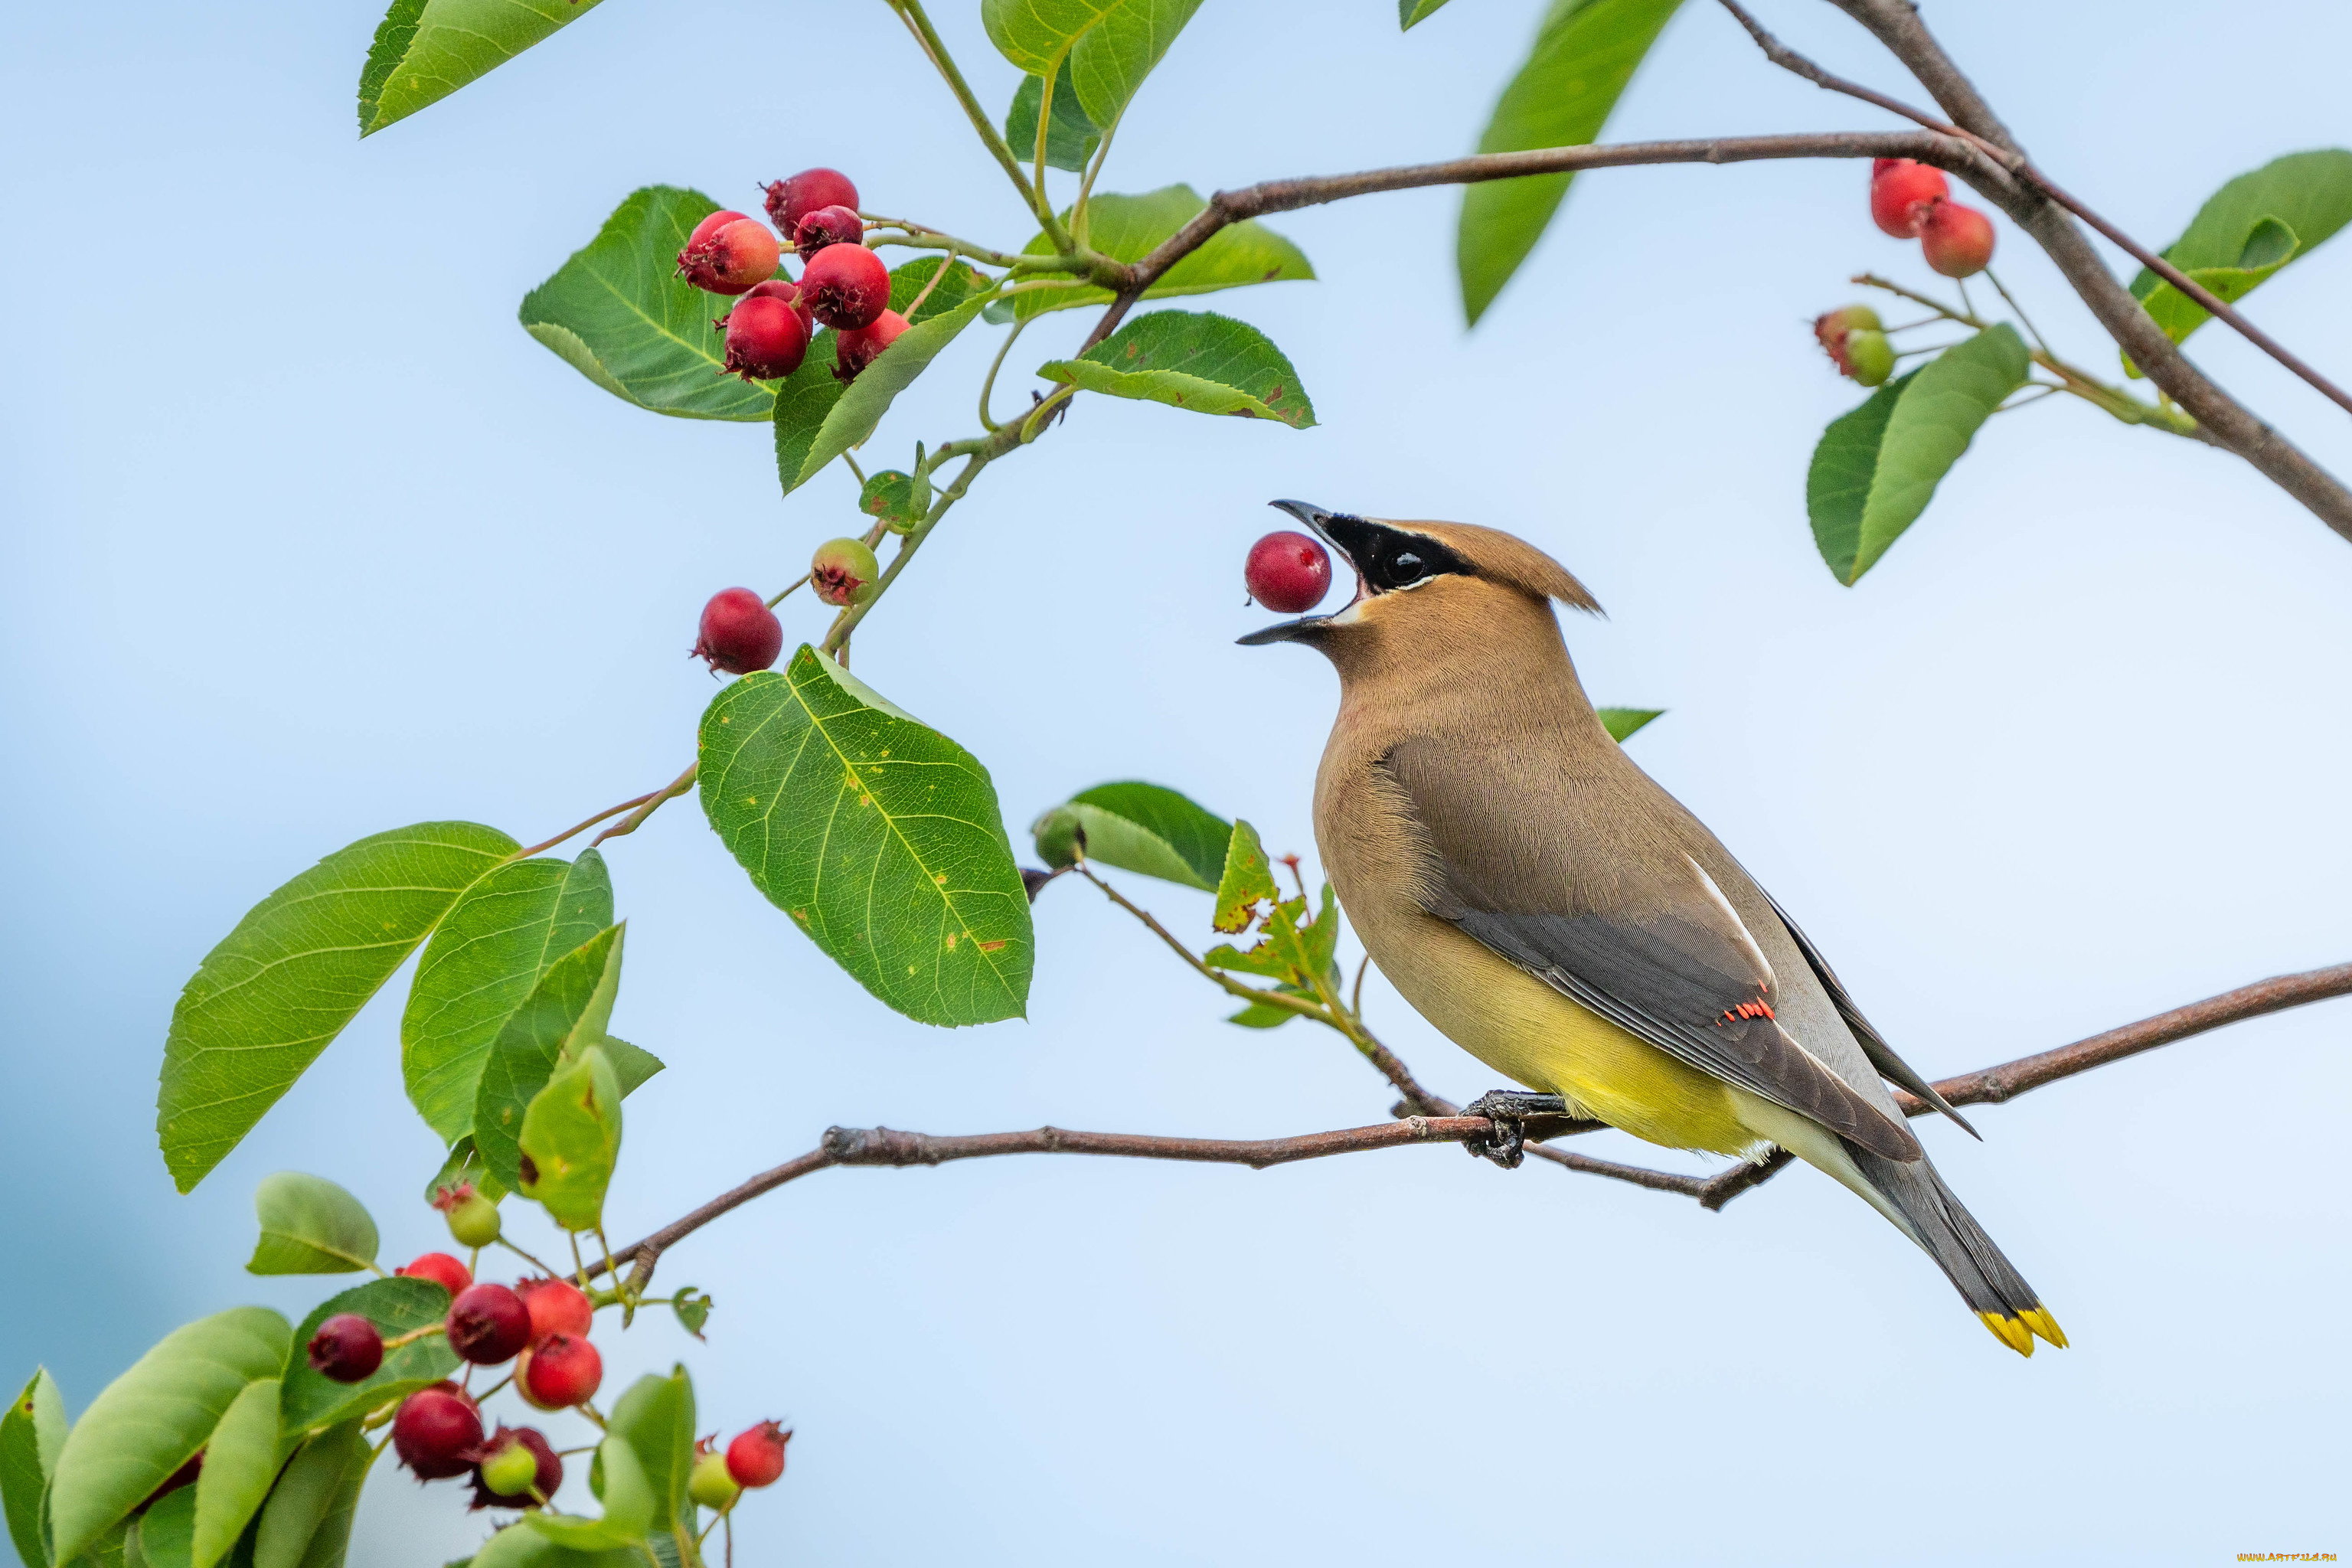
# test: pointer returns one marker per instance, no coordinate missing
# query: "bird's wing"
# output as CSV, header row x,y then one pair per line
x,y
1653,946
1881,1055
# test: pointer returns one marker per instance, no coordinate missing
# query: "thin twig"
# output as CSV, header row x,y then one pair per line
x,y
579,827
636,819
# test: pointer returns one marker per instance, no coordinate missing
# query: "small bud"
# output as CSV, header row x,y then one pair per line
x,y
844,570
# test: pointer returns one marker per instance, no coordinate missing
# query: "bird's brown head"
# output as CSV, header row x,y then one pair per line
x,y
1428,590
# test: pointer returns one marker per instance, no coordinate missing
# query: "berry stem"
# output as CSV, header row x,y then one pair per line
x,y
427,1331
502,1241
1080,229
636,819
911,13
576,830
988,387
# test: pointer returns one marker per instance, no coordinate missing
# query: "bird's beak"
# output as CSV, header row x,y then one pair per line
x,y
1333,529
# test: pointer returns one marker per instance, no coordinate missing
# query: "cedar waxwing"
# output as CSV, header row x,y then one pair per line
x,y
1539,898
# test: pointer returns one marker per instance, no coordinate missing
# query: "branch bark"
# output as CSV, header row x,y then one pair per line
x,y
888,1146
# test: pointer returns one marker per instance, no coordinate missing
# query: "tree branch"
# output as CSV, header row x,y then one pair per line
x,y
887,1146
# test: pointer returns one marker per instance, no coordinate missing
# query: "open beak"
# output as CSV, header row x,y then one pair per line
x,y
1333,529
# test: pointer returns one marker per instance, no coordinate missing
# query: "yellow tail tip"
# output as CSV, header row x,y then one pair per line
x,y
2039,1320
2009,1332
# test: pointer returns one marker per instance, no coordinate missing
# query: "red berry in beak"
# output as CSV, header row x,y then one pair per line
x,y
740,635
1956,240
828,225
847,286
347,1348
853,350
437,1432
1900,195
1288,571
791,200
729,259
488,1324
561,1370
441,1269
756,1457
515,1462
766,338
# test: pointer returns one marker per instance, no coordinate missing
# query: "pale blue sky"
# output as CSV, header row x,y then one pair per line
x,y
306,539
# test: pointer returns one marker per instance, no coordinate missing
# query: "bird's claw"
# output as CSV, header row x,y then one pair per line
x,y
1509,1111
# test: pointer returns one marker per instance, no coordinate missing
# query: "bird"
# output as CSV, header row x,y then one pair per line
x,y
1550,907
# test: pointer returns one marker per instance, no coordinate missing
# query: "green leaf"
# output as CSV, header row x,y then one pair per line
x,y
806,399
309,1225
481,964
149,1420
240,1463
528,1545
908,283
2247,230
854,416
1129,228
1262,1015
571,1003
619,316
164,1536
1410,12
631,1065
656,1418
880,837
1585,53
1071,137
693,1309
1110,46
628,1499
1137,826
1192,359
1621,723
572,1140
1246,881
1877,466
31,1434
297,969
311,1402
426,49
890,495
309,1512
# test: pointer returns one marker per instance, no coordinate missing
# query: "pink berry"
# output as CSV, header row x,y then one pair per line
x,y
516,1461
828,225
1956,240
1900,194
855,349
847,286
556,1306
347,1348
766,338
488,1324
791,200
1288,571
441,1269
756,1457
739,634
731,258
561,1370
437,1432
712,225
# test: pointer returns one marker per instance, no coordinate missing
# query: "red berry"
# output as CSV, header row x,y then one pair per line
x,y
556,1306
561,1370
437,1432
789,201
739,633
725,215
1288,571
787,290
731,258
846,285
1956,239
855,349
488,1324
756,1457
766,338
515,1461
827,225
347,1348
1900,194
441,1269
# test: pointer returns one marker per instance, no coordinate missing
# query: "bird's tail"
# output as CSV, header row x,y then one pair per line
x,y
1986,1280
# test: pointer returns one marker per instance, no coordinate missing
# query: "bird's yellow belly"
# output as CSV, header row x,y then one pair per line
x,y
1532,1034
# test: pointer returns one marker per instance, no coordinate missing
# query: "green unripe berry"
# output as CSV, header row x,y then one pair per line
x,y
1870,355
511,1471
474,1221
843,569
710,1484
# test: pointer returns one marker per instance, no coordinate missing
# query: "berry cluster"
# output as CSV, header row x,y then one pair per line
x,y
1914,201
842,285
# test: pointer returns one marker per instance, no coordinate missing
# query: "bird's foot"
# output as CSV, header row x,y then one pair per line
x,y
1508,1109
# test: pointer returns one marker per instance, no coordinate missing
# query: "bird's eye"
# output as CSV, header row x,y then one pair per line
x,y
1406,567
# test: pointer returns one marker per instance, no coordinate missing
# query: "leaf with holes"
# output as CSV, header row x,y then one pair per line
x,y
617,313
1876,468
1585,53
309,1225
1129,228
426,49
2246,231
297,969
1621,723
1192,359
1137,826
880,837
